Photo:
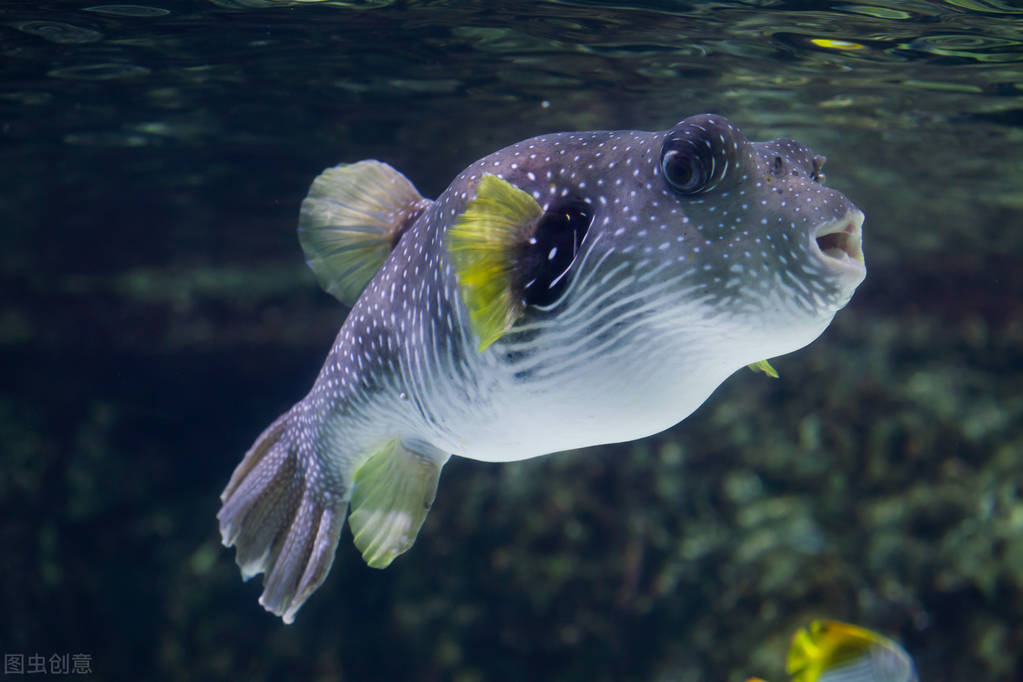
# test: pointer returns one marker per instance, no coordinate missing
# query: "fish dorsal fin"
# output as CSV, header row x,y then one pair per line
x,y
483,244
351,219
394,490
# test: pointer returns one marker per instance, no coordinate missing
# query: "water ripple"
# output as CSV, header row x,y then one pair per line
x,y
58,32
128,10
99,72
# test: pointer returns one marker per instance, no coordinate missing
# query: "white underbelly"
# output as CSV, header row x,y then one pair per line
x,y
529,420
634,395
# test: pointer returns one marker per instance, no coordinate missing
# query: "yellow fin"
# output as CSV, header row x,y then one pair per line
x,y
394,490
804,660
765,367
351,219
482,244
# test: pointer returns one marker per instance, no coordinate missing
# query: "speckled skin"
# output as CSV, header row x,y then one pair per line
x,y
670,294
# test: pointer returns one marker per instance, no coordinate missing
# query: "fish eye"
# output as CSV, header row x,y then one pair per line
x,y
702,153
684,170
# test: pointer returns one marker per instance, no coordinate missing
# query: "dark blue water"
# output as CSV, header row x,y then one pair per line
x,y
156,314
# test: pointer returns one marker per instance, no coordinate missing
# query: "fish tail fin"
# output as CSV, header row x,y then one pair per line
x,y
280,517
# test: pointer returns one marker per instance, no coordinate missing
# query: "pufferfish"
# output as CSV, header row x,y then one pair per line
x,y
570,290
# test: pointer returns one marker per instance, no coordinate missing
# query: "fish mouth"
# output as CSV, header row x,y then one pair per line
x,y
840,243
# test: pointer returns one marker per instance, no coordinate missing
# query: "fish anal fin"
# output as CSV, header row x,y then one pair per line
x,y
484,244
352,218
394,490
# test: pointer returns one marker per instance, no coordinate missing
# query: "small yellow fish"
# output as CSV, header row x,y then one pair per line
x,y
830,651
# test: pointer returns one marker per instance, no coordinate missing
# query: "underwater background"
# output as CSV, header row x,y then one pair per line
x,y
156,314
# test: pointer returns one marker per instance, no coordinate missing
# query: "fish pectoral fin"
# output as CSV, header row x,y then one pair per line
x,y
483,244
394,490
765,367
352,218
